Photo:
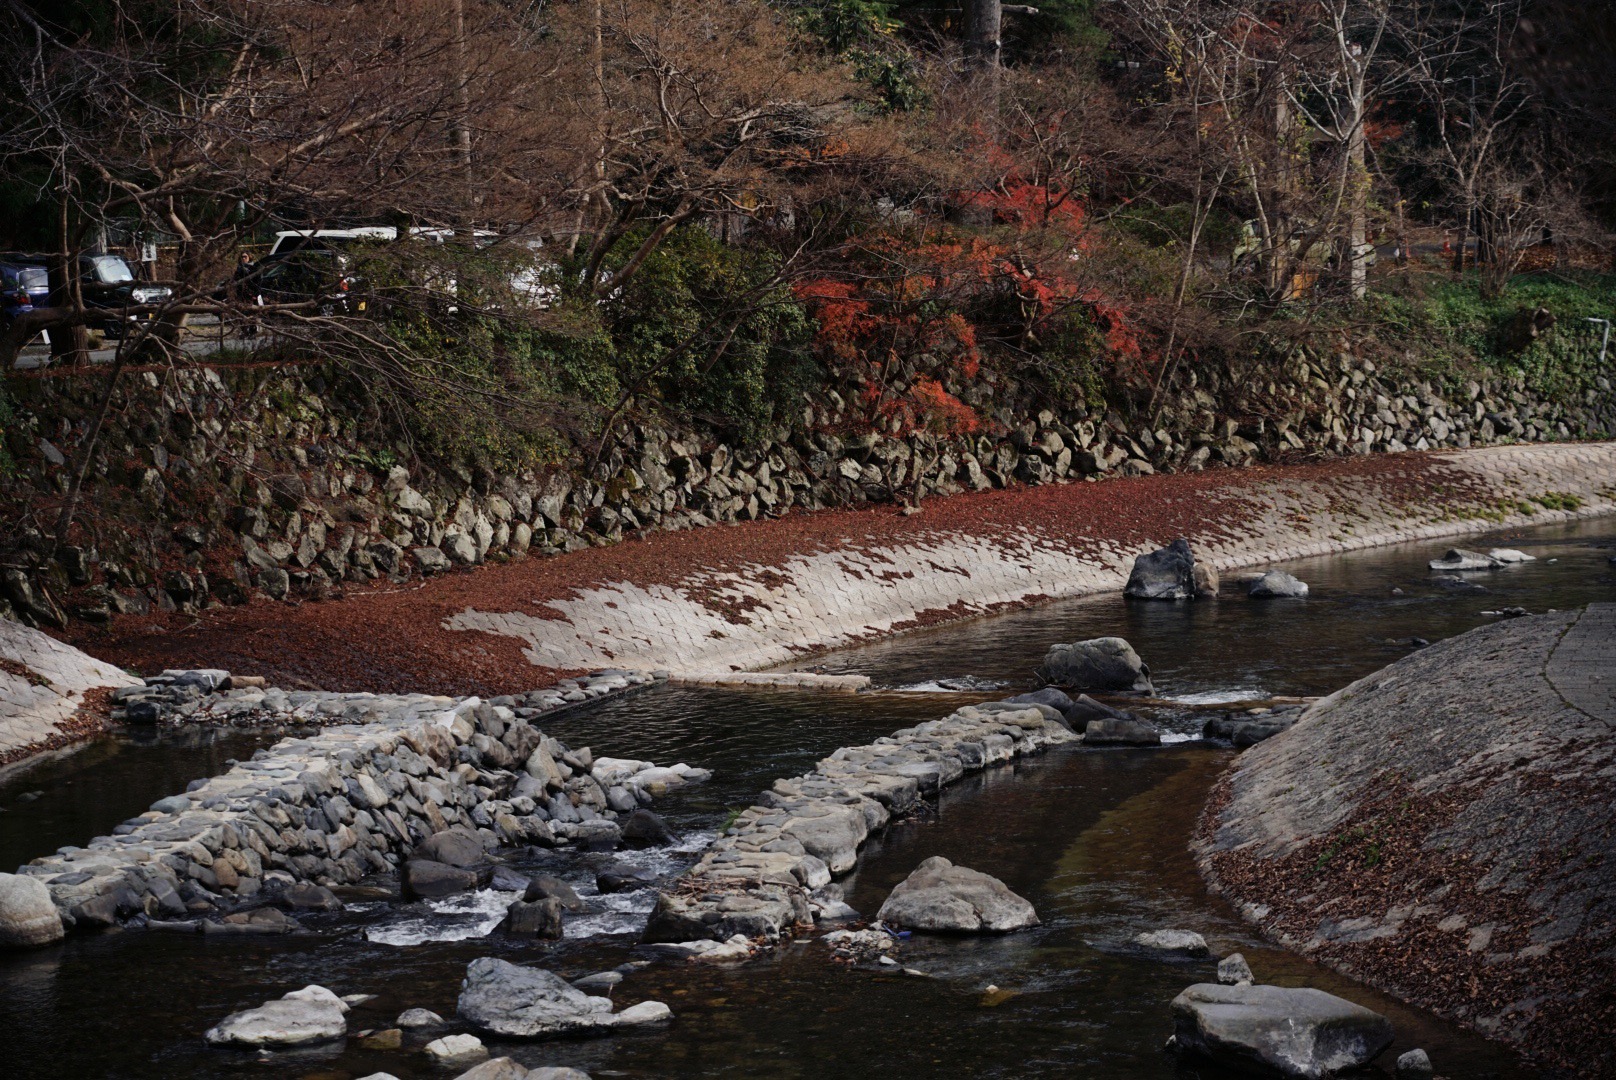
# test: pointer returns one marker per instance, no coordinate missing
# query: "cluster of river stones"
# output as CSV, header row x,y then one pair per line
x,y
377,795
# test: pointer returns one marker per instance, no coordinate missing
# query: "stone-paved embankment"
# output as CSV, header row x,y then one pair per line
x,y
43,684
351,801
710,604
1446,829
759,879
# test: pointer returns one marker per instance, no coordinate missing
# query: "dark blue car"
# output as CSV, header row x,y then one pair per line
x,y
22,288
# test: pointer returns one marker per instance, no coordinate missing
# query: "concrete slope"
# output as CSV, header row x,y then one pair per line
x,y
1445,829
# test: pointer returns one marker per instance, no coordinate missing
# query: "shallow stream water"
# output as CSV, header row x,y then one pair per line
x,y
1094,838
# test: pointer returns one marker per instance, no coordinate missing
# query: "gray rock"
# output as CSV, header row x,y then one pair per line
x,y
306,896
431,560
456,1051
1100,664
621,877
418,1018
1169,573
541,918
1234,971
1463,559
557,1072
599,983
502,999
1120,733
1186,943
940,896
1298,1032
425,877
302,1018
174,804
642,828
1277,583
27,915
1049,695
1085,708
452,847
500,1068
1505,556
1414,1065
544,885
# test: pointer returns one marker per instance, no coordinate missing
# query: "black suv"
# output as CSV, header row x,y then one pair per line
x,y
303,274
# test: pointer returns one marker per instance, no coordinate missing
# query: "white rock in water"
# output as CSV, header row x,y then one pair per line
x,y
313,992
1180,942
288,1021
28,916
452,1051
1277,583
1292,1032
949,898
418,1018
1510,555
1461,559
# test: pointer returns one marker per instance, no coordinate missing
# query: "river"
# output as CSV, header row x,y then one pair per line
x,y
1094,838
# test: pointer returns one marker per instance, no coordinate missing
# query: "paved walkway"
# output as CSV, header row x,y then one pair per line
x,y
1583,666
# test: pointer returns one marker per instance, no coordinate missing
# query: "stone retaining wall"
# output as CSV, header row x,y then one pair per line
x,y
205,493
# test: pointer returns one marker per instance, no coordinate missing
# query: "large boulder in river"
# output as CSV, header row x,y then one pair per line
x,y
1289,1031
427,878
453,847
1104,665
940,896
27,914
500,998
302,1018
1277,584
1463,559
1171,573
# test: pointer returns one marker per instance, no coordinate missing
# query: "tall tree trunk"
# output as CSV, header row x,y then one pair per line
x,y
1358,195
462,88
68,344
983,22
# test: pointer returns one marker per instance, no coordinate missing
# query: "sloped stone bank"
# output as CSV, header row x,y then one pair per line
x,y
1445,829
760,878
349,802
213,484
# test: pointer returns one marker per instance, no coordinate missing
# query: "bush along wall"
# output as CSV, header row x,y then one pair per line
x,y
216,487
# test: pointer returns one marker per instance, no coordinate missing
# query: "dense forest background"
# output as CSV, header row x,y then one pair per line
x,y
944,212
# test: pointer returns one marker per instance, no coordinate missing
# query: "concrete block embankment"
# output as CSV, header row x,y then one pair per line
x,y
1445,829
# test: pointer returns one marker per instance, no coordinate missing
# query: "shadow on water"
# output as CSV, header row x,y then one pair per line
x,y
1095,839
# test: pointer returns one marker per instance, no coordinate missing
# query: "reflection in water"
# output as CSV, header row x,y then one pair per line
x,y
1095,839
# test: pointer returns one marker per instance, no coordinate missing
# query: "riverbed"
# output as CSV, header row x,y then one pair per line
x,y
1094,838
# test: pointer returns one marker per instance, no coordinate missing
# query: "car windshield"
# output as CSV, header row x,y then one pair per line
x,y
111,270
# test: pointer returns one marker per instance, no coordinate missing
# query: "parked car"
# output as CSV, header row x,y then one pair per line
x,y
301,274
107,285
22,288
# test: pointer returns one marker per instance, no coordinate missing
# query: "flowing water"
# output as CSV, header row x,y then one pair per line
x,y
1094,838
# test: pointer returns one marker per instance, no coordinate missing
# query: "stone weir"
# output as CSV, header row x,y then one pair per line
x,y
770,870
347,803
